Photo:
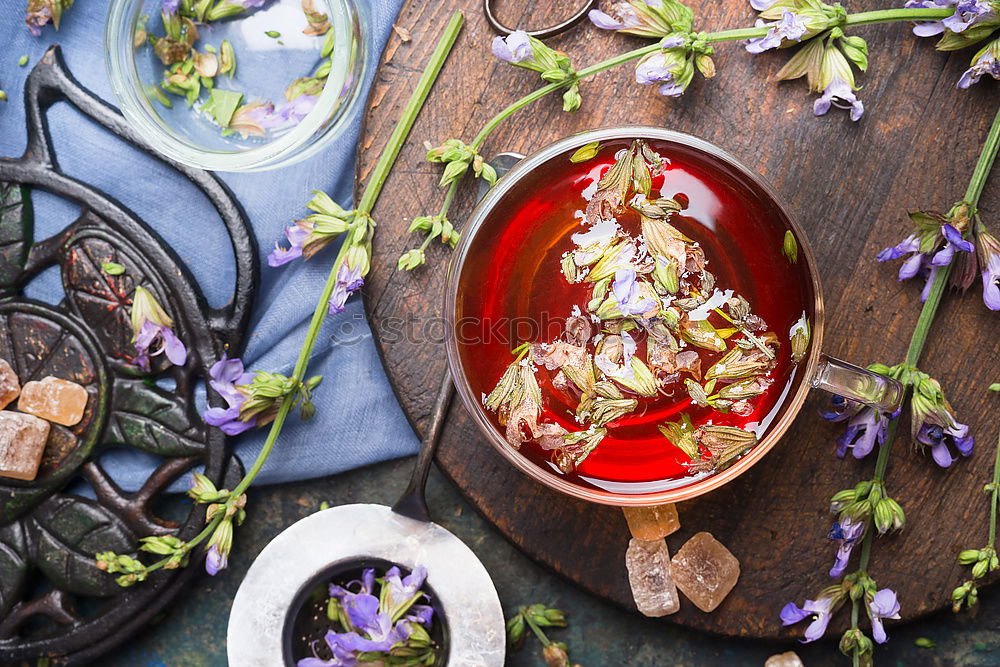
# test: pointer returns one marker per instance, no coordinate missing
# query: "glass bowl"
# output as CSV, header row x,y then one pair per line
x,y
271,51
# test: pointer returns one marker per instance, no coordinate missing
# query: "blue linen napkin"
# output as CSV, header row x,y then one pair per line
x,y
358,420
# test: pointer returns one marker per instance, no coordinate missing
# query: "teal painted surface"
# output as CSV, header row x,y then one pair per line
x,y
193,633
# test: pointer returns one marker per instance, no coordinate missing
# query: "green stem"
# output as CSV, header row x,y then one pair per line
x,y
994,494
917,342
364,207
449,197
902,14
861,18
413,107
537,630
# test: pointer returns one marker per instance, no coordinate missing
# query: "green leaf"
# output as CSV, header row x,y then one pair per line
x,y
112,269
66,533
995,386
807,61
13,565
222,104
856,50
274,34
152,420
23,61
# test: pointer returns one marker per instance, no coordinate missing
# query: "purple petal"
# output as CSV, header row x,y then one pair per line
x,y
941,455
911,266
927,285
215,562
361,609
791,614
991,290
173,347
965,445
954,237
599,19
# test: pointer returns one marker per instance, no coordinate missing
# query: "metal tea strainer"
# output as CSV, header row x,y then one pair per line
x,y
307,552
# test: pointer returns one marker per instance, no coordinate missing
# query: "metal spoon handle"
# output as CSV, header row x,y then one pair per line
x,y
413,502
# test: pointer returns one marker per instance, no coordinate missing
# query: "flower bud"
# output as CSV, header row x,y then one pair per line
x,y
979,569
968,557
555,656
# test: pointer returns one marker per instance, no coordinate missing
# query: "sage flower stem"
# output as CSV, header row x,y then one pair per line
x,y
368,197
861,18
413,107
917,341
901,14
994,496
449,197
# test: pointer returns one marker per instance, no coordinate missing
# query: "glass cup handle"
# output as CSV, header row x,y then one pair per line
x,y
858,384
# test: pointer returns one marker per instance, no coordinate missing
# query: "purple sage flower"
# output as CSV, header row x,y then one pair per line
x,y
626,291
662,68
215,561
348,280
152,332
226,375
968,13
986,63
171,6
939,437
401,590
926,263
514,48
989,251
296,235
789,27
342,657
762,5
38,16
821,610
953,242
291,112
626,21
839,94
846,533
883,605
866,426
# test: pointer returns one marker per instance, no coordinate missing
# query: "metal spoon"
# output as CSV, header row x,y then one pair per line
x,y
304,555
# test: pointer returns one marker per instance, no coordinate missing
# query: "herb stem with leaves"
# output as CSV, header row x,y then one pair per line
x,y
867,510
226,507
554,65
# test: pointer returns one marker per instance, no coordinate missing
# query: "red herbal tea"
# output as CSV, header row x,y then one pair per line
x,y
514,289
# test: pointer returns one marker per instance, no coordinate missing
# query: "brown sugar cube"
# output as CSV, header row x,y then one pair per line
x,y
59,401
22,443
705,571
652,523
10,386
648,565
787,659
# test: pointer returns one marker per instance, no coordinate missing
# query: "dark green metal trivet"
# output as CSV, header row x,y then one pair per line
x,y
53,601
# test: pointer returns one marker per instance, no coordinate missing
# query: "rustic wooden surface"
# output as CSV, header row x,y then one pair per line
x,y
848,184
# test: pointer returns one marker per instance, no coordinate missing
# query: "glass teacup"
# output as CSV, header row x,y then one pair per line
x,y
508,285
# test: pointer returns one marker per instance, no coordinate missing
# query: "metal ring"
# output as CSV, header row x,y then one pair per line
x,y
544,32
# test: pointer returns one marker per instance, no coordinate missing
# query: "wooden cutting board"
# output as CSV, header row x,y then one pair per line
x,y
848,184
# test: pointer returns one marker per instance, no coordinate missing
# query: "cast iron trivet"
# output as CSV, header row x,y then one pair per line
x,y
53,601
